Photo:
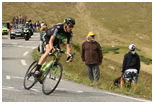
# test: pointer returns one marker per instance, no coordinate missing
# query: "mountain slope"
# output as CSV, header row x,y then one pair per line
x,y
116,25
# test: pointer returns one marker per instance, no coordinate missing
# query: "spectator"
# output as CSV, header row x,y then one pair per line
x,y
92,56
20,19
38,26
13,20
16,20
42,24
131,66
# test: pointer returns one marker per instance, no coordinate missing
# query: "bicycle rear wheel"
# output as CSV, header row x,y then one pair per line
x,y
52,79
29,79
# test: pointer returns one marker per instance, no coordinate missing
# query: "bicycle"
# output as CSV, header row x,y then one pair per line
x,y
50,72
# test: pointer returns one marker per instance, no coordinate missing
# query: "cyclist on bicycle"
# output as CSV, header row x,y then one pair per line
x,y
53,38
131,66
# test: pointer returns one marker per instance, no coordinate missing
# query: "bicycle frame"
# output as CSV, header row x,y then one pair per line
x,y
53,62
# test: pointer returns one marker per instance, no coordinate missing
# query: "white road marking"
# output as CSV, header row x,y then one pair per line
x,y
35,90
20,46
63,89
25,53
23,62
34,47
17,90
31,47
14,43
8,77
114,94
79,91
16,77
11,89
128,97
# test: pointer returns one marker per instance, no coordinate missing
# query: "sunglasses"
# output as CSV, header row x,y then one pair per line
x,y
93,36
70,25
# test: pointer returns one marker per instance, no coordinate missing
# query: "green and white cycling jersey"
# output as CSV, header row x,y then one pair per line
x,y
60,35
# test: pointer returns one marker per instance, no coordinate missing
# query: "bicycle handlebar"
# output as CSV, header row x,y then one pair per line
x,y
70,56
59,50
56,50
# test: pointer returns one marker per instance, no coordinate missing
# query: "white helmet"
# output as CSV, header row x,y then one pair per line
x,y
132,47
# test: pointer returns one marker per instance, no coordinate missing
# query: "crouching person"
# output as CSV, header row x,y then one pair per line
x,y
92,56
131,67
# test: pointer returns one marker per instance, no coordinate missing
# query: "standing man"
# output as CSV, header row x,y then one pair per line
x,y
131,66
92,56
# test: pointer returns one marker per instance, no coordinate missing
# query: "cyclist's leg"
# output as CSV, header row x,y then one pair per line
x,y
43,58
45,55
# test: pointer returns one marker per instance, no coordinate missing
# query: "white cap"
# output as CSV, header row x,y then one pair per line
x,y
132,47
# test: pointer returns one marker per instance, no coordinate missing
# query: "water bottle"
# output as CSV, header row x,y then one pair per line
x,y
46,67
43,65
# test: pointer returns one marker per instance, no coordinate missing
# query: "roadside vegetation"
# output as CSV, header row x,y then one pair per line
x,y
116,24
110,70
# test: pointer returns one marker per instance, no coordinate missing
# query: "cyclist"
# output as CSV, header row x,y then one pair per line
x,y
131,66
29,25
53,37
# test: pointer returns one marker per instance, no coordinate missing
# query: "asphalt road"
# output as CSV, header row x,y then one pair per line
x,y
16,58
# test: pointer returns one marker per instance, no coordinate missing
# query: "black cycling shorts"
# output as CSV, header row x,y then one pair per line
x,y
56,42
46,39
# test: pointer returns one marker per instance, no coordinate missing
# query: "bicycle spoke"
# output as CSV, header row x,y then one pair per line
x,y
52,80
29,79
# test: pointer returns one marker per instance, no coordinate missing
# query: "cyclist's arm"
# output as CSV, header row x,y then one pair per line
x,y
68,52
68,49
68,45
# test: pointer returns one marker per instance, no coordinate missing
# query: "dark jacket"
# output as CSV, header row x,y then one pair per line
x,y
91,52
131,61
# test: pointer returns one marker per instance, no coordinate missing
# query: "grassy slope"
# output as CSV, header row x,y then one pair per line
x,y
116,24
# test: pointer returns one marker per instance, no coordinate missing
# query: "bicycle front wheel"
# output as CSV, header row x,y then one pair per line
x,y
52,79
29,79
